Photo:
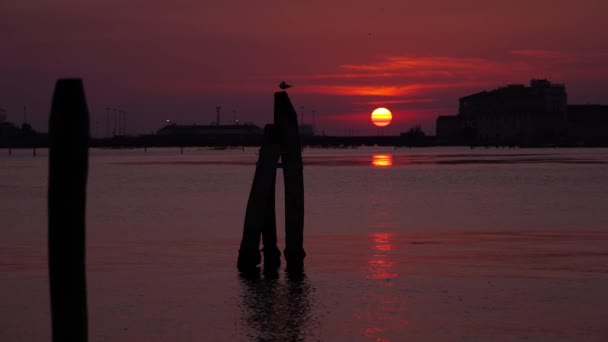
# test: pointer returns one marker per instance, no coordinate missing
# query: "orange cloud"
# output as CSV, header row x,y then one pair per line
x,y
361,90
401,76
381,90
438,76
387,102
345,75
395,63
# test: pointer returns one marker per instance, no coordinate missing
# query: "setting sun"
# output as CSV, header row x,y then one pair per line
x,y
381,117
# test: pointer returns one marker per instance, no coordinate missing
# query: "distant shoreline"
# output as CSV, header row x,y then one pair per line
x,y
149,141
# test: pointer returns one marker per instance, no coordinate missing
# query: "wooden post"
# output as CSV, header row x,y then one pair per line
x,y
260,214
272,254
286,120
68,167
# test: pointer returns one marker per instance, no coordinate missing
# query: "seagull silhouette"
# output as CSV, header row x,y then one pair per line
x,y
284,85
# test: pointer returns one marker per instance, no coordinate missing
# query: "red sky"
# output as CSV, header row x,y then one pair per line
x,y
180,59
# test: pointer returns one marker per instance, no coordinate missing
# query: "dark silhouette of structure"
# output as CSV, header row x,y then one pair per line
x,y
260,219
588,124
414,137
280,140
514,115
12,135
509,115
210,131
286,120
525,116
68,168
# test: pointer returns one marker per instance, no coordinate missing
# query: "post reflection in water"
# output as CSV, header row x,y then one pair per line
x,y
382,160
274,309
384,314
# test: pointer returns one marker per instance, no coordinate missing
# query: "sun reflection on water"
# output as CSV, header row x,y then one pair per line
x,y
380,264
382,160
384,307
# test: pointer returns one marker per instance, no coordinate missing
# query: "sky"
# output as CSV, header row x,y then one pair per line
x,y
178,60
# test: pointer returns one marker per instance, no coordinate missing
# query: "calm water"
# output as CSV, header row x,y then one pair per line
x,y
409,244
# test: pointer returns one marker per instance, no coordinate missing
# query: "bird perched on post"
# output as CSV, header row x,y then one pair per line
x,y
284,85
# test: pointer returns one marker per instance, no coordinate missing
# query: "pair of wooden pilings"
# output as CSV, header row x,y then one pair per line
x,y
281,140
68,169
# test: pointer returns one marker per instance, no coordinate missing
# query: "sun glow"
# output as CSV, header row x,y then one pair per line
x,y
382,117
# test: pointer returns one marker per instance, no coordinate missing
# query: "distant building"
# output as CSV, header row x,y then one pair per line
x,y
211,130
588,124
450,129
514,114
8,130
209,135
15,136
414,137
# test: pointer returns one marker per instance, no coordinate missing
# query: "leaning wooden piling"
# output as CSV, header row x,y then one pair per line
x,y
286,120
68,167
259,215
272,254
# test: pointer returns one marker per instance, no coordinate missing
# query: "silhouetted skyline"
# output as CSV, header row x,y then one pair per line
x,y
180,60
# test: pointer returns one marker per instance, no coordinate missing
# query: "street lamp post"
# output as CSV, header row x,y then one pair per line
x,y
313,121
124,122
108,122
115,121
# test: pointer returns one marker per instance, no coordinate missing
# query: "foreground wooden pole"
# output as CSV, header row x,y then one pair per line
x,y
272,254
259,215
286,120
68,167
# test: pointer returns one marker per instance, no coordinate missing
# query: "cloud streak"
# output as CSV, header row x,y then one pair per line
x,y
411,77
399,76
395,63
408,90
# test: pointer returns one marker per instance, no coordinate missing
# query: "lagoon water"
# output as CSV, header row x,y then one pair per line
x,y
433,244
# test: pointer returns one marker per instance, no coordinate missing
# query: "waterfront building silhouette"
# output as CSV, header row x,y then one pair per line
x,y
538,114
